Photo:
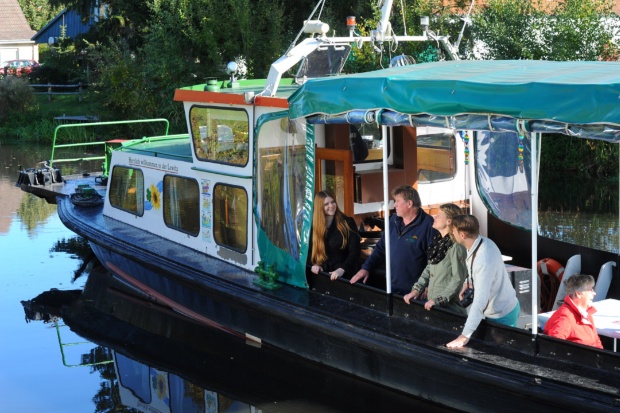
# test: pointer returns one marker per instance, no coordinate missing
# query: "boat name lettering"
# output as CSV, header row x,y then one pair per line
x,y
155,165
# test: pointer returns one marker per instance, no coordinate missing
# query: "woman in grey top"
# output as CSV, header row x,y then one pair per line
x,y
446,270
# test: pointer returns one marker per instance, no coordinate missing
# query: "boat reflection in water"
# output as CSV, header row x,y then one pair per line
x,y
166,362
149,389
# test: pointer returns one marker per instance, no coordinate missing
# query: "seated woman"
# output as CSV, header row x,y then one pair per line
x,y
446,269
573,320
335,241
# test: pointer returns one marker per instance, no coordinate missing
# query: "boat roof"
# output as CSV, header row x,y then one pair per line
x,y
583,92
201,93
167,147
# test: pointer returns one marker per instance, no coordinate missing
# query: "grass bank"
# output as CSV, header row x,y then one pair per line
x,y
37,124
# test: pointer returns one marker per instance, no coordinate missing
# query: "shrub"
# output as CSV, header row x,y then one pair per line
x,y
16,97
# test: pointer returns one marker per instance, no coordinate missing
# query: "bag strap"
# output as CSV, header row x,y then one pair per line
x,y
470,277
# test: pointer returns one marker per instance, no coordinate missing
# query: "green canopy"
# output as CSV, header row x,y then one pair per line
x,y
543,96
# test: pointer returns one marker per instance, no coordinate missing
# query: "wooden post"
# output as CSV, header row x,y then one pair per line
x,y
49,91
80,90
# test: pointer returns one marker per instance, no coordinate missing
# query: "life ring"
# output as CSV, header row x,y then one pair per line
x,y
548,266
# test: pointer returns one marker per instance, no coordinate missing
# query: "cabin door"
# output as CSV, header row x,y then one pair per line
x,y
334,172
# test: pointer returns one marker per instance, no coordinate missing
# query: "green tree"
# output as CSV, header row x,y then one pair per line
x,y
539,30
38,12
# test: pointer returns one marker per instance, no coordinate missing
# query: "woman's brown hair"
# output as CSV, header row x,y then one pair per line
x,y
319,227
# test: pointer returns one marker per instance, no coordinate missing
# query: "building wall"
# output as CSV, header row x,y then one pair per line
x,y
17,50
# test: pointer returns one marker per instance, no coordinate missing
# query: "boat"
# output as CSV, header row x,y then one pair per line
x,y
215,223
192,363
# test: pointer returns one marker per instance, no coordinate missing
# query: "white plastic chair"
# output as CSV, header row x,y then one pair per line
x,y
603,281
572,267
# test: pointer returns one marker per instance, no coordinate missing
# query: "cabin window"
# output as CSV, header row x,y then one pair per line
x,y
436,157
366,143
181,204
281,182
127,190
230,217
220,135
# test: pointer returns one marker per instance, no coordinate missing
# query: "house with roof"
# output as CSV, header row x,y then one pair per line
x,y
15,33
68,23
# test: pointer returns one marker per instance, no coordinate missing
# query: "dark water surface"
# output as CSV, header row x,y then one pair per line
x,y
46,367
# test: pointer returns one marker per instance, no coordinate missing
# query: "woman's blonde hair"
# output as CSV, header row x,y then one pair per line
x,y
451,211
319,227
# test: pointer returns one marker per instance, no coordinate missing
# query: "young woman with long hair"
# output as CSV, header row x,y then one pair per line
x,y
335,240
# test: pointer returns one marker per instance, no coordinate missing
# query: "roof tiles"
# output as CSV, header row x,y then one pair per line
x,y
13,24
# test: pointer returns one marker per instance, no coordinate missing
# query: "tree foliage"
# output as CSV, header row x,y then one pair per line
x,y
16,97
38,12
541,30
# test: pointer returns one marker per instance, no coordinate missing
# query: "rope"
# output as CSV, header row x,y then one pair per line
x,y
86,200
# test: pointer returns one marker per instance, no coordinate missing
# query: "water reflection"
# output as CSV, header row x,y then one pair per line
x,y
31,211
153,359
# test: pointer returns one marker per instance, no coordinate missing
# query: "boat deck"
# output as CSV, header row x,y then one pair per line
x,y
69,185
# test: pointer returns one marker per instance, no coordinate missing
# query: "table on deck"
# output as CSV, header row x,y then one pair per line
x,y
606,318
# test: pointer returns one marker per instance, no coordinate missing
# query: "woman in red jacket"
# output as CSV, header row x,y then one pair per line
x,y
573,320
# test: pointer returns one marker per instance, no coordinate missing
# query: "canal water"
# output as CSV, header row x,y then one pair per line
x,y
46,367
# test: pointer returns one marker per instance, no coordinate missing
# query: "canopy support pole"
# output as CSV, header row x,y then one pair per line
x,y
534,206
386,212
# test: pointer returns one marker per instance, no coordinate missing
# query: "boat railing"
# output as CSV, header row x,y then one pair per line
x,y
105,147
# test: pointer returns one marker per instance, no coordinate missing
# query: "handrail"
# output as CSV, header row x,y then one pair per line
x,y
63,345
91,124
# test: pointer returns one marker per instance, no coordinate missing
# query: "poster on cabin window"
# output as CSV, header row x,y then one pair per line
x,y
206,210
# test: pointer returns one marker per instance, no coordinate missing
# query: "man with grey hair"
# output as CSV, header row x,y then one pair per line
x,y
411,232
573,320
